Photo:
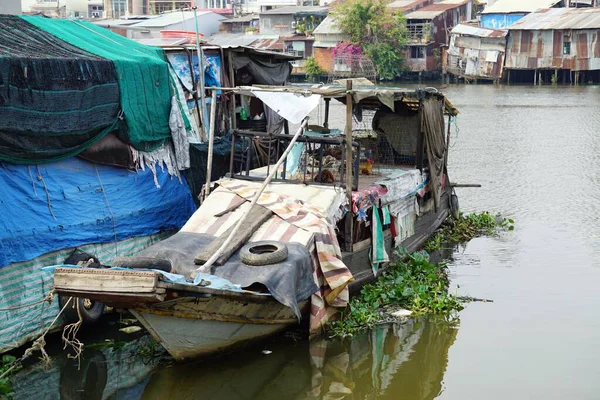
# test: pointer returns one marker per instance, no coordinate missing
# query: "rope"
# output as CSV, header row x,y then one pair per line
x,y
49,297
69,337
41,179
38,344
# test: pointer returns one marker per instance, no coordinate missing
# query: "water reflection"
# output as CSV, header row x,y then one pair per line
x,y
391,361
117,371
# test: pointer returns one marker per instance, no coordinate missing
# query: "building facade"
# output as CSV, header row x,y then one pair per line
x,y
560,44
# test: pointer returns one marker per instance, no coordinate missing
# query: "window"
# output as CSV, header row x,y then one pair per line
x,y
417,52
567,45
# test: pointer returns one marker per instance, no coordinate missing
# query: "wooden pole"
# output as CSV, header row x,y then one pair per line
x,y
349,237
211,141
233,115
206,267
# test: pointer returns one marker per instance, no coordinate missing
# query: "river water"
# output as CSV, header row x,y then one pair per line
x,y
535,150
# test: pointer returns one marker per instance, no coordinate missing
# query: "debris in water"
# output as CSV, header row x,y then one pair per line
x,y
401,313
131,329
267,352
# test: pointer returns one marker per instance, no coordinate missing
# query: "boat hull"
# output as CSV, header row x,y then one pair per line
x,y
192,327
186,338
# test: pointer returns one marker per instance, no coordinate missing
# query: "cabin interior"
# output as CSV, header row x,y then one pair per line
x,y
390,157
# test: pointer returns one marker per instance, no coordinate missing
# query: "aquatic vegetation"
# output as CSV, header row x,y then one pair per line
x,y
466,227
414,283
7,367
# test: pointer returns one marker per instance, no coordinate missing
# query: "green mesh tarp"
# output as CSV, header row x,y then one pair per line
x,y
56,100
142,74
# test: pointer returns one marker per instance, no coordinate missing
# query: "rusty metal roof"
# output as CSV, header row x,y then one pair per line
x,y
559,19
518,6
463,29
433,10
404,5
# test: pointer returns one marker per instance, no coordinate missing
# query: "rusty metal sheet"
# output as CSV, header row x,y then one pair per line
x,y
560,18
582,45
540,47
596,44
532,63
557,43
525,42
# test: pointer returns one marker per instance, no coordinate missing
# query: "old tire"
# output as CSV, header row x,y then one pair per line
x,y
263,253
454,207
90,310
85,381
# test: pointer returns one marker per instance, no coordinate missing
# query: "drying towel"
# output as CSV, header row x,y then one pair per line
x,y
378,253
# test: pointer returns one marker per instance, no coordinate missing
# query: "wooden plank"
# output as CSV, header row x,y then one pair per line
x,y
114,298
103,280
258,215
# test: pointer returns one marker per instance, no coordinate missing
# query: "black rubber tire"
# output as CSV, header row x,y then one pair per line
x,y
266,252
454,207
86,381
135,262
89,315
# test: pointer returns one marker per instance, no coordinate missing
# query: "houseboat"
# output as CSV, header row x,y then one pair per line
x,y
302,219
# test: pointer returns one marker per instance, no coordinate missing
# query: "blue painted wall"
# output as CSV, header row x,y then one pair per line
x,y
498,21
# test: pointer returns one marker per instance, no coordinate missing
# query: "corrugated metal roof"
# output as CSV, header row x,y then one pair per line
x,y
433,10
559,19
327,27
470,30
234,40
518,6
174,18
295,10
404,5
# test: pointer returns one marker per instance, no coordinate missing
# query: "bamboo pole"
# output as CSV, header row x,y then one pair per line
x,y
201,74
211,141
206,267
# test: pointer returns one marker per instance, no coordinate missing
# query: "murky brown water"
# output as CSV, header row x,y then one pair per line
x,y
536,151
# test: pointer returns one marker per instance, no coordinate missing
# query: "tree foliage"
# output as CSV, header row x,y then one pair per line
x,y
312,68
377,29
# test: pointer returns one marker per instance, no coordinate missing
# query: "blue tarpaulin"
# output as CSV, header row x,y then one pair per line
x,y
74,202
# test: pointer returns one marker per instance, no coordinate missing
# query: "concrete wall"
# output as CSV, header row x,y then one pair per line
x,y
276,24
10,6
544,50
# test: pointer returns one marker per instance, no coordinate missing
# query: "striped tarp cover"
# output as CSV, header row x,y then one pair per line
x,y
25,283
294,221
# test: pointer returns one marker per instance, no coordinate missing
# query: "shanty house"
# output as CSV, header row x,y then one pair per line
x,y
476,53
504,13
559,42
406,6
327,35
291,20
429,32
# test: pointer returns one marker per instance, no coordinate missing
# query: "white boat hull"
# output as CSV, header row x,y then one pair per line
x,y
186,338
190,327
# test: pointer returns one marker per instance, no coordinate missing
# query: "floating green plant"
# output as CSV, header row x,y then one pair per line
x,y
466,227
414,283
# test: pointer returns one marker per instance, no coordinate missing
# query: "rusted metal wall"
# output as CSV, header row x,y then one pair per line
x,y
476,57
543,49
444,23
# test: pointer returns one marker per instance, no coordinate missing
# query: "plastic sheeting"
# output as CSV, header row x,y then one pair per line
x,y
263,72
290,281
74,202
